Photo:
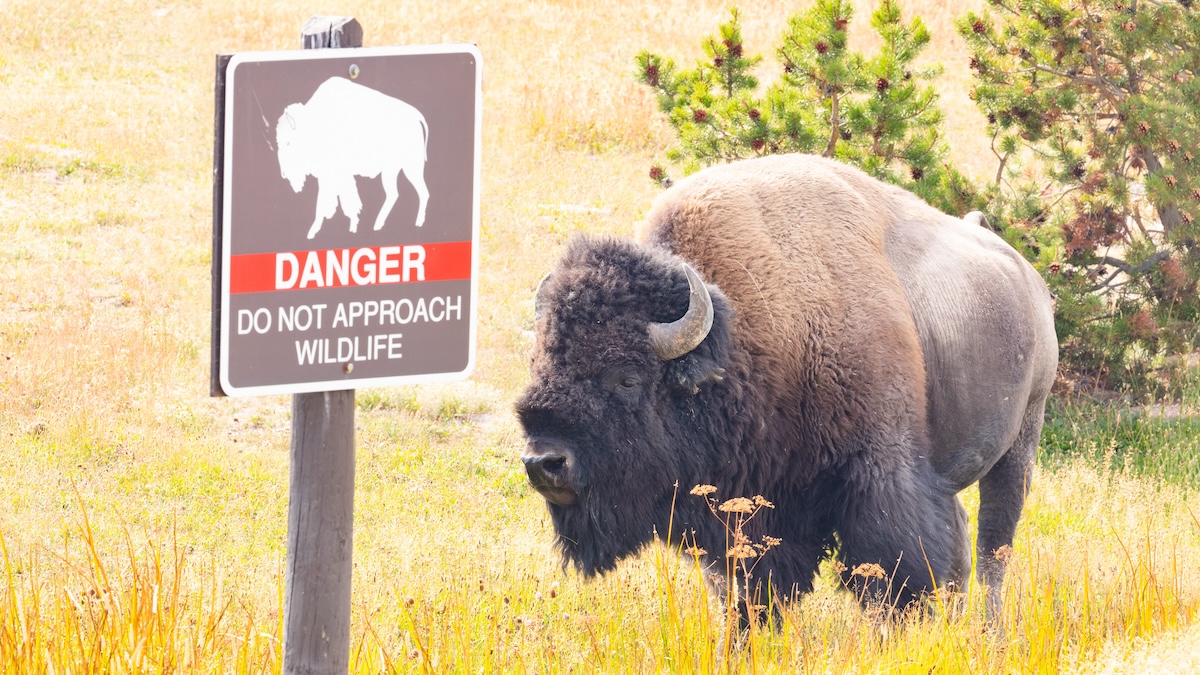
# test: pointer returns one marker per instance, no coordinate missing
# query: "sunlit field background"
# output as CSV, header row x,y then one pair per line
x,y
143,524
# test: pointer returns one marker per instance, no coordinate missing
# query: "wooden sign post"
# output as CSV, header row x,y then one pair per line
x,y
320,543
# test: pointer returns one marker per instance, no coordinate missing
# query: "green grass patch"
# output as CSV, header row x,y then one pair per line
x,y
1161,443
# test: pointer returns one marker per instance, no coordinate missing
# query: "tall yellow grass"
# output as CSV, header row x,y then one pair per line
x,y
143,524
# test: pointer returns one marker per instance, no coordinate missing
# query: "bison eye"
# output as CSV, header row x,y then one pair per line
x,y
622,380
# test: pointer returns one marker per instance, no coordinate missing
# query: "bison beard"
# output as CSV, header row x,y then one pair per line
x,y
834,300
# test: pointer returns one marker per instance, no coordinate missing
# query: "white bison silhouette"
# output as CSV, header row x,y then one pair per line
x,y
347,130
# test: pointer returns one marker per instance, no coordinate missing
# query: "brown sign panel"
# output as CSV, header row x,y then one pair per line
x,y
350,218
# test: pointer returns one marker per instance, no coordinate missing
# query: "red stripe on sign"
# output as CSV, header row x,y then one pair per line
x,y
334,268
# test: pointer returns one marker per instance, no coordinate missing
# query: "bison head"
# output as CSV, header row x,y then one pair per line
x,y
630,352
288,140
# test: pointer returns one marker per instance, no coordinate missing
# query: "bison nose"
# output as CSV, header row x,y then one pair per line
x,y
549,474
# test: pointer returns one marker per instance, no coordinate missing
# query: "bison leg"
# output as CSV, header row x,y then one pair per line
x,y
1002,494
415,172
914,528
350,200
391,193
327,203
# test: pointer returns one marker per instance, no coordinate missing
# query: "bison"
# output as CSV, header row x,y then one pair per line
x,y
347,130
790,327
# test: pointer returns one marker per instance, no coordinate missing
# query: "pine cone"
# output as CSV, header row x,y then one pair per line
x,y
1143,325
1174,276
652,75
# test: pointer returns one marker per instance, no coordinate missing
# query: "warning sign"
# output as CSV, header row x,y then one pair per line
x,y
349,218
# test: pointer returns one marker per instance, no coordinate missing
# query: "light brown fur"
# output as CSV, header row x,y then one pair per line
x,y
889,310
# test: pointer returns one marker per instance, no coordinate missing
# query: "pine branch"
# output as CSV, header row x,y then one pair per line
x,y
834,125
1135,270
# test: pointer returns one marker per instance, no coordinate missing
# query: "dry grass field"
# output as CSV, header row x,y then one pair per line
x,y
142,523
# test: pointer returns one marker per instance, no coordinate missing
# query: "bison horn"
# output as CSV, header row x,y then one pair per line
x,y
539,302
673,340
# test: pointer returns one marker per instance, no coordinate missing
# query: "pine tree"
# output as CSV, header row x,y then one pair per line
x,y
879,113
1101,98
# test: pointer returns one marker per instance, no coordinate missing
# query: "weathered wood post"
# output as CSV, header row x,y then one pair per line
x,y
320,544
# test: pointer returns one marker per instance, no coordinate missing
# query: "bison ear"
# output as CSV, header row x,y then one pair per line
x,y
706,363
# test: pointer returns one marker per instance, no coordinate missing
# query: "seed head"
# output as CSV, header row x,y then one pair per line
x,y
704,490
869,571
741,552
737,505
